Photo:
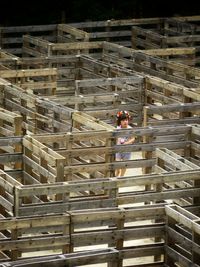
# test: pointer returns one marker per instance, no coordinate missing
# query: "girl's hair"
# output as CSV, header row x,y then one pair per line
x,y
122,115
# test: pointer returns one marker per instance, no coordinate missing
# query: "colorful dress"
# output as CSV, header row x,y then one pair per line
x,y
120,141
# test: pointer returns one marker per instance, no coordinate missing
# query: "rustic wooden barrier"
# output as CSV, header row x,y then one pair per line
x,y
7,185
138,61
40,199
37,164
172,114
110,30
11,153
103,227
68,33
119,31
170,74
105,94
92,152
149,39
86,97
113,228
118,228
88,156
38,80
34,191
171,161
11,37
70,165
5,55
34,46
34,234
168,161
165,92
170,103
187,55
194,150
182,237
171,93
189,151
132,85
110,228
63,197
39,115
115,31
171,32
91,84
37,47
10,125
168,91
97,256
40,162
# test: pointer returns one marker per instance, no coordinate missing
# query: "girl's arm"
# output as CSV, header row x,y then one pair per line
x,y
130,141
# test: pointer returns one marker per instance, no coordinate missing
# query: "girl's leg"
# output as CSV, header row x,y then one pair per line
x,y
126,156
123,171
118,173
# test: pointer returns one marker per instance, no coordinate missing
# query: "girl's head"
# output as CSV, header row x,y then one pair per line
x,y
123,116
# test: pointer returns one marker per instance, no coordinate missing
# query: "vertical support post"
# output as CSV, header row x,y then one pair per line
x,y
18,132
169,242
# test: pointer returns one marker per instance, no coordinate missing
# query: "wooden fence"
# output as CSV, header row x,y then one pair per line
x,y
39,115
130,191
107,228
34,46
59,193
11,37
37,81
173,239
171,33
99,256
182,237
92,153
10,125
81,163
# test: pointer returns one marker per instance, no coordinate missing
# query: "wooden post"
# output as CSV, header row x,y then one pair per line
x,y
15,252
1,150
147,155
196,240
120,242
170,222
109,158
18,132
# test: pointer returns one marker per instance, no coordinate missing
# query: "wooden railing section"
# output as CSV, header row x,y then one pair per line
x,y
58,187
39,115
10,126
65,233
182,237
99,256
112,229
11,38
141,62
36,80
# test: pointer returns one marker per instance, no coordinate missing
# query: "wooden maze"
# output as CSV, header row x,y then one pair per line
x,y
60,89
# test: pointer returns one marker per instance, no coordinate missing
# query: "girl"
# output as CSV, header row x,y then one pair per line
x,y
123,119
